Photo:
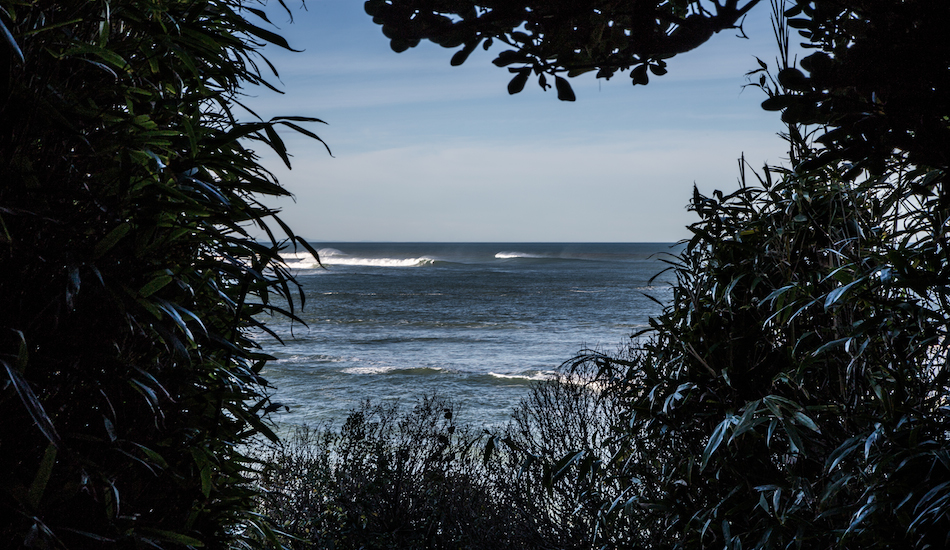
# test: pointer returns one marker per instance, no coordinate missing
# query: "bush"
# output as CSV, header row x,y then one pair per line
x,y
127,377
394,478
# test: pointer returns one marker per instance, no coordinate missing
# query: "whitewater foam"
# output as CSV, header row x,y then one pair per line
x,y
511,255
332,256
394,370
536,376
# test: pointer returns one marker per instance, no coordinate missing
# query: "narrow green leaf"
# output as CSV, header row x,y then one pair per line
x,y
267,36
155,285
837,293
42,476
277,144
8,38
110,240
715,440
32,404
804,420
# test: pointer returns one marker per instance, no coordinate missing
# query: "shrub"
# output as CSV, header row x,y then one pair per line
x,y
394,478
130,279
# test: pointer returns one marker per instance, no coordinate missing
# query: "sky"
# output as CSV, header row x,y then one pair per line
x,y
423,151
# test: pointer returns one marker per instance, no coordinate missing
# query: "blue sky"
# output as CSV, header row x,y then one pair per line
x,y
428,152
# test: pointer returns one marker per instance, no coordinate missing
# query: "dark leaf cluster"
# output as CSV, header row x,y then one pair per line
x,y
551,38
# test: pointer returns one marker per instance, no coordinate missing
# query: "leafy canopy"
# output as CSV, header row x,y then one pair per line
x,y
551,38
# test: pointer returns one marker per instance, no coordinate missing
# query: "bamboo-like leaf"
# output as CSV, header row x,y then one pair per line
x,y
38,487
715,440
155,285
32,404
835,295
11,42
111,239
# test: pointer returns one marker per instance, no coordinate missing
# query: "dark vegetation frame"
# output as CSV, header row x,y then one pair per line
x,y
129,190
792,395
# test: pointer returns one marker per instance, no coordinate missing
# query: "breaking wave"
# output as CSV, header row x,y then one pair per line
x,y
332,256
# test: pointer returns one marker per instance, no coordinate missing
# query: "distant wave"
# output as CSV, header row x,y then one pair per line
x,y
332,256
536,376
417,371
319,358
510,255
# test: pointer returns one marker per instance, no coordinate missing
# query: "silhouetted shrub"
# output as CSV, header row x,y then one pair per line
x,y
395,478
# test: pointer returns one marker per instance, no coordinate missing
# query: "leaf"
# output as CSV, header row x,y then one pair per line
x,y
8,38
794,439
837,293
793,79
277,144
518,82
508,57
267,36
155,285
804,420
32,404
715,440
304,131
777,103
72,286
42,476
489,449
639,75
110,240
461,55
563,465
564,91
110,57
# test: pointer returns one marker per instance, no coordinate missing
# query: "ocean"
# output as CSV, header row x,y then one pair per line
x,y
474,322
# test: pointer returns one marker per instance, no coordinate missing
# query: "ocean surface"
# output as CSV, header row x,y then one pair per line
x,y
475,322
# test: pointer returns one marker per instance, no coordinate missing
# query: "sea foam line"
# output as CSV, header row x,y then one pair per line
x,y
510,255
332,256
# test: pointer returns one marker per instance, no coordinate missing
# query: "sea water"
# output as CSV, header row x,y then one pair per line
x,y
474,322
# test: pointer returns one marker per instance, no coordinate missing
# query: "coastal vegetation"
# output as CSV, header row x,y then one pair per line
x,y
792,394
128,185
422,478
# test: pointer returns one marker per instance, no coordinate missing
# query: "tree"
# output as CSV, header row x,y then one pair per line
x,y
794,391
128,375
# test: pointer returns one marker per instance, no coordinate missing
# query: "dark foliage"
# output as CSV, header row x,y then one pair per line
x,y
550,38
393,478
797,384
794,393
127,375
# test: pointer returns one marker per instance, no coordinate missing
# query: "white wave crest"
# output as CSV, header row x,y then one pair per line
x,y
509,255
535,376
332,256
300,260
393,370
381,262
